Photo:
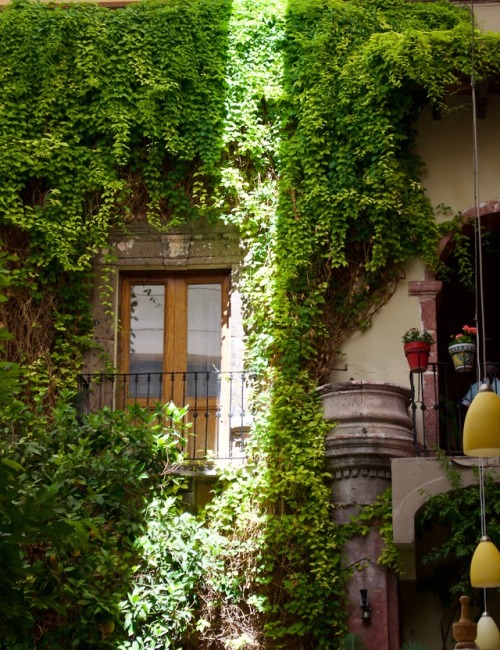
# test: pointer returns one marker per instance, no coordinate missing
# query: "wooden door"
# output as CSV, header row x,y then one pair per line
x,y
170,347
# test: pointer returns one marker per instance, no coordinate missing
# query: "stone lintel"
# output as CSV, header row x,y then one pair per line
x,y
426,289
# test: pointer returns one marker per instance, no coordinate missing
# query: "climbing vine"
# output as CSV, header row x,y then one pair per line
x,y
294,121
104,114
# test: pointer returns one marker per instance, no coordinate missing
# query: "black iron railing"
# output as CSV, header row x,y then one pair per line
x,y
439,402
218,416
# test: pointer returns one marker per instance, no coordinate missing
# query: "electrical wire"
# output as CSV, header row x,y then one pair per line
x,y
479,284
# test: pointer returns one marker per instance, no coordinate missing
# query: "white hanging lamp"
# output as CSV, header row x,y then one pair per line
x,y
488,635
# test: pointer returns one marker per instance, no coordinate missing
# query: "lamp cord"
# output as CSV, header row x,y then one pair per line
x,y
482,500
482,504
480,309
480,320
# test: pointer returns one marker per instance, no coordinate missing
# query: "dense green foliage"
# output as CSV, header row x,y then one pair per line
x,y
74,502
102,114
81,503
456,535
293,121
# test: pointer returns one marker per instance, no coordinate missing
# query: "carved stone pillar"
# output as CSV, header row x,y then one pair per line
x,y
371,427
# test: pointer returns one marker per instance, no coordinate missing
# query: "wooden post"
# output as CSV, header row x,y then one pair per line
x,y
464,630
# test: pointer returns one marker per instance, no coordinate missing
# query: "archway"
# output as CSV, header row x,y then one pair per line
x,y
446,306
434,575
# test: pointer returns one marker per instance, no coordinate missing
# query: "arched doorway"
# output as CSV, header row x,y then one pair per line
x,y
449,306
457,307
437,547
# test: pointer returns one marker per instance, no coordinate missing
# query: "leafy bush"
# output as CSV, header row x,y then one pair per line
x,y
81,492
160,611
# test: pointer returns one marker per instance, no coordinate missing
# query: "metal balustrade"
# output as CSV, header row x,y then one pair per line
x,y
218,416
439,402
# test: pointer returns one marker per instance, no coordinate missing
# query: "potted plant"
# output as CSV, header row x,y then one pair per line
x,y
417,347
462,349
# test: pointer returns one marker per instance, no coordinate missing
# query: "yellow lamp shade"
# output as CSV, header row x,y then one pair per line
x,y
482,425
485,565
488,636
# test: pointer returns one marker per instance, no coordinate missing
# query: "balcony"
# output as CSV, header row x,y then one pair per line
x,y
439,402
218,415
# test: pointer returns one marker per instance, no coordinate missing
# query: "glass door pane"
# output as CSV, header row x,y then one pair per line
x,y
147,309
204,336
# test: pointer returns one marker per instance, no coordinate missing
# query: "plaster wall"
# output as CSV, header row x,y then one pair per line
x,y
488,16
446,146
377,354
414,482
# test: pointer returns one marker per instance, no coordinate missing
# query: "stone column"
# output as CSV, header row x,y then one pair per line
x,y
371,427
427,292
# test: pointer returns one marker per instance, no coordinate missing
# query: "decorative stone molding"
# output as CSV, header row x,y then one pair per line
x,y
175,249
371,426
142,246
427,292
361,472
367,407
425,288
196,246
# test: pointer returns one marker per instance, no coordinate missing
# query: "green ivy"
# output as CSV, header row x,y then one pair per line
x,y
296,122
377,515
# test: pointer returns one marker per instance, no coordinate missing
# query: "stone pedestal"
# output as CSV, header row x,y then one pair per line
x,y
371,426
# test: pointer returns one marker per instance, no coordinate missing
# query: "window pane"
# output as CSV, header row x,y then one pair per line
x,y
204,336
146,339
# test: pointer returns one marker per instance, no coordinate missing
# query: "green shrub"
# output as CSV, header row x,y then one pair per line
x,y
82,492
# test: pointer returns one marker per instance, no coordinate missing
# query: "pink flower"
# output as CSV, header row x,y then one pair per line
x,y
467,335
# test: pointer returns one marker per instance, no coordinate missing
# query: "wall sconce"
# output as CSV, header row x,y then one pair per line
x,y
366,608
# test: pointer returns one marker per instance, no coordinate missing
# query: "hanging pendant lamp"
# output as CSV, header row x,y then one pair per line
x,y
488,636
481,436
485,565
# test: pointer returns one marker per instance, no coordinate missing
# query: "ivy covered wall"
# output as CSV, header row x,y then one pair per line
x,y
294,121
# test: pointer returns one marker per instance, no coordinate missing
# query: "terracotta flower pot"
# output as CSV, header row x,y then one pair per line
x,y
417,354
